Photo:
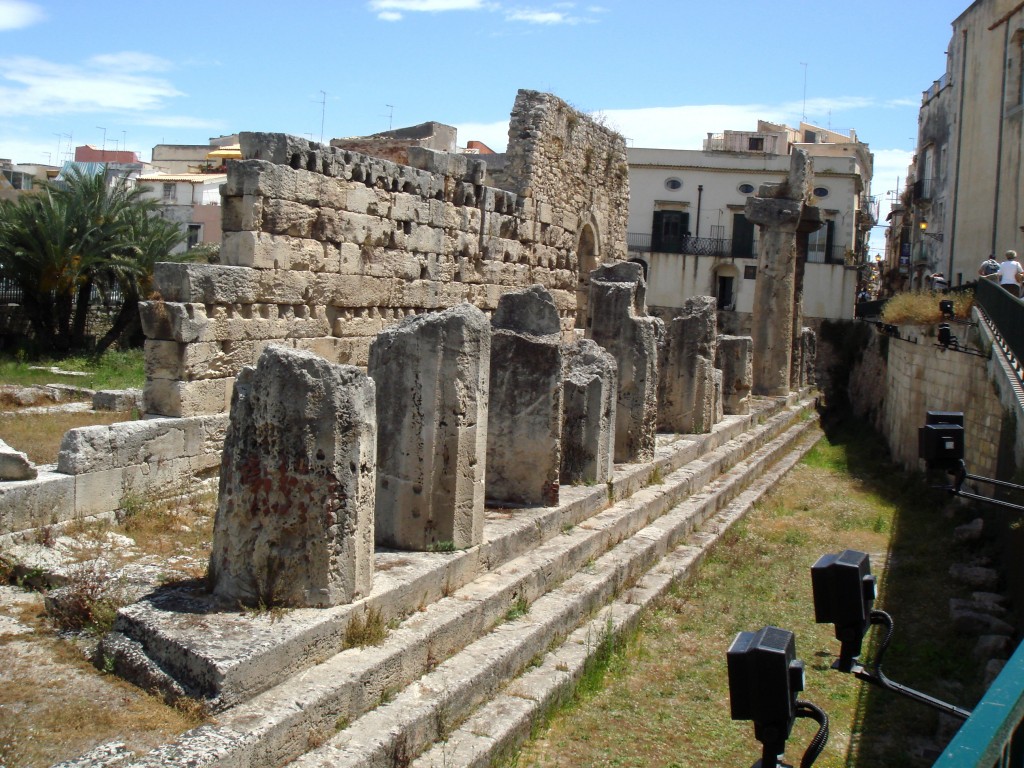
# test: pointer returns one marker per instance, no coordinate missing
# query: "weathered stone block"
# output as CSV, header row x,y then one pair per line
x,y
117,400
205,283
165,397
588,421
14,465
620,325
294,521
44,500
173,321
734,359
524,421
686,391
432,388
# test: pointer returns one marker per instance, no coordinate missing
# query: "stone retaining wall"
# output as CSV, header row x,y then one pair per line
x,y
325,247
100,467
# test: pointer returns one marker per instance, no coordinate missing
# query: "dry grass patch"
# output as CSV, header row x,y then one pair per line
x,y
922,307
665,696
39,434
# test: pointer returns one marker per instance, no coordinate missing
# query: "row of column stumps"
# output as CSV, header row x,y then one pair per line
x,y
322,462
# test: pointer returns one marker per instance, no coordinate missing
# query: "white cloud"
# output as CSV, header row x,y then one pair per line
x,y
131,60
31,86
391,10
15,14
541,17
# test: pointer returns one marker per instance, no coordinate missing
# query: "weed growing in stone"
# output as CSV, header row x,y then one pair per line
x,y
519,608
366,630
89,601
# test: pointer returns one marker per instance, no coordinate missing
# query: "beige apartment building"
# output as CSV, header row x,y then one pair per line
x,y
964,198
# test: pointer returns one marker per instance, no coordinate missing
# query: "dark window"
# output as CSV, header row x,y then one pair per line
x,y
669,231
725,293
746,189
810,137
750,272
755,143
742,236
194,230
820,192
673,183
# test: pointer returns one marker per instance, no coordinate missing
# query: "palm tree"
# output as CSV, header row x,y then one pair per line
x,y
84,233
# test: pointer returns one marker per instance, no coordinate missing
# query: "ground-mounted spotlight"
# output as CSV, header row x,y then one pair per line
x,y
946,337
844,592
764,679
940,442
946,309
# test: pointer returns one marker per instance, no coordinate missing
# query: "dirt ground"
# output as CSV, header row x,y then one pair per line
x,y
54,703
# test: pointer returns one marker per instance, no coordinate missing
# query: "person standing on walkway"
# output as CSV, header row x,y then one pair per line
x,y
989,268
1010,273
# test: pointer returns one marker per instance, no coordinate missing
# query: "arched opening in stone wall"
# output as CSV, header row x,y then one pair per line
x,y
725,285
587,254
643,266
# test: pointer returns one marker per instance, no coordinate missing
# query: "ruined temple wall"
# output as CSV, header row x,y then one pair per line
x,y
559,156
325,247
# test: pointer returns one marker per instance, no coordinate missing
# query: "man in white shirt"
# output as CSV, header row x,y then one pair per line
x,y
1010,273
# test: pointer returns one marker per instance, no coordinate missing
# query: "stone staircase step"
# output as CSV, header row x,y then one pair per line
x,y
565,573
434,705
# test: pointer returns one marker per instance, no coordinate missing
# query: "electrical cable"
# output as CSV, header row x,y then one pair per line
x,y
816,713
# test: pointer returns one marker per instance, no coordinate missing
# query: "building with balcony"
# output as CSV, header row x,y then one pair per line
x,y
963,198
191,200
687,222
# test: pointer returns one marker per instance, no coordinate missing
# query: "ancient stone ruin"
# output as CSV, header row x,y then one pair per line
x,y
779,210
620,324
488,461
524,426
294,522
432,374
590,393
324,247
689,384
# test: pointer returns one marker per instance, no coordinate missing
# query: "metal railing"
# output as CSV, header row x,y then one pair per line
x,y
992,736
640,242
11,293
1006,312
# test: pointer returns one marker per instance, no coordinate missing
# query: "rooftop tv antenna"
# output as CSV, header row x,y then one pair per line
x,y
803,114
323,113
391,113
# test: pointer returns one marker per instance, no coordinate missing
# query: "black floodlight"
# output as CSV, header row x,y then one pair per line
x,y
844,591
946,337
946,308
764,679
940,442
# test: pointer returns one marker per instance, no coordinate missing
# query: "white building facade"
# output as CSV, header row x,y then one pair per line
x,y
687,222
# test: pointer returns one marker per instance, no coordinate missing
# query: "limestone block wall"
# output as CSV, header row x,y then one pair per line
x,y
100,466
897,381
325,247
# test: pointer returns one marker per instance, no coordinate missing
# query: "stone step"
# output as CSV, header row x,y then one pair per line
x,y
432,708
563,579
234,656
498,728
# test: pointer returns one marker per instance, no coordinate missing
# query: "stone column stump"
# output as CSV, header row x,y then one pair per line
x,y
432,373
620,324
588,422
294,524
524,420
809,357
687,400
734,361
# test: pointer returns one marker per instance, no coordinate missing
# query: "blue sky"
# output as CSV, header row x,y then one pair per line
x,y
134,73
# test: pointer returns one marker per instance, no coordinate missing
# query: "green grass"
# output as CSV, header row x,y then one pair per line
x,y
662,698
114,370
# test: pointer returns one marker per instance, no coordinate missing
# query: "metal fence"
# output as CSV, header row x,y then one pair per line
x,y
991,737
1006,313
11,293
640,242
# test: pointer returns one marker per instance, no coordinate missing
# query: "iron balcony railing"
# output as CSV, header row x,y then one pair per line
x,y
697,246
640,242
992,736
